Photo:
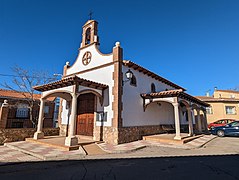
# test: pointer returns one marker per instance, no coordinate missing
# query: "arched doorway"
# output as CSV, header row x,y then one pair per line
x,y
85,114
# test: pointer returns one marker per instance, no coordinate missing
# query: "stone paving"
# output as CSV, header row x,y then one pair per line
x,y
30,151
199,142
127,147
44,152
11,155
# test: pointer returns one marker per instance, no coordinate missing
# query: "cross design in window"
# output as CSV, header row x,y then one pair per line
x,y
86,58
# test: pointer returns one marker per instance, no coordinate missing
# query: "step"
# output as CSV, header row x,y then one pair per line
x,y
93,149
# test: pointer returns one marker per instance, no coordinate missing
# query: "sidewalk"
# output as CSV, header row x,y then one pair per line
x,y
30,151
129,147
11,155
199,142
44,152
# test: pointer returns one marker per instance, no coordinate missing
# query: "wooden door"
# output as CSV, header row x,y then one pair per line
x,y
85,114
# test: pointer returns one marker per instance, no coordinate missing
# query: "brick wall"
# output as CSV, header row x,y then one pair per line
x,y
13,121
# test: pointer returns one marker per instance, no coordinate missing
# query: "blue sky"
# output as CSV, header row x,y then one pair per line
x,y
194,43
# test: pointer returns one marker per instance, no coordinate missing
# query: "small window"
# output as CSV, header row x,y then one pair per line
x,y
133,81
101,116
153,89
232,96
230,109
22,113
46,109
209,110
87,36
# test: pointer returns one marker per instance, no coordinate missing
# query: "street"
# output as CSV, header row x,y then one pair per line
x,y
216,160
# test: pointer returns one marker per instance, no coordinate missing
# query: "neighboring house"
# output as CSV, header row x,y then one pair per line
x,y
18,109
116,100
224,104
56,112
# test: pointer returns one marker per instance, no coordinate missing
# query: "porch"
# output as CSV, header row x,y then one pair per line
x,y
185,108
75,92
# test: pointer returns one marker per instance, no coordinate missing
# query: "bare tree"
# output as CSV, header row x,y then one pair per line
x,y
23,82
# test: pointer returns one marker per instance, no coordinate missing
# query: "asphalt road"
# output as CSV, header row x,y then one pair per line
x,y
181,165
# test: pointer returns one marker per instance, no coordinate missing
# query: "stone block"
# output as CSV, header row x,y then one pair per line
x,y
71,141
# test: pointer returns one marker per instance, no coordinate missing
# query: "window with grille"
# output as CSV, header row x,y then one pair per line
x,y
46,109
230,109
153,89
101,116
133,81
209,110
22,112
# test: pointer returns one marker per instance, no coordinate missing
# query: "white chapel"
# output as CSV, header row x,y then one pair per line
x,y
116,100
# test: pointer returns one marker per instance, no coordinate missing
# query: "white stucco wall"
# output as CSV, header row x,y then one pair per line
x,y
102,75
97,59
65,116
133,114
58,90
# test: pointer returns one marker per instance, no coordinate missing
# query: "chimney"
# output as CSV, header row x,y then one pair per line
x,y
207,94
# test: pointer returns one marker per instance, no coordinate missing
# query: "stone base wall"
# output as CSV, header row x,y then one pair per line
x,y
129,134
19,134
106,134
123,135
63,129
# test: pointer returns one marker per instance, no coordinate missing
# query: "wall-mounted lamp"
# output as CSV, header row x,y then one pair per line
x,y
129,75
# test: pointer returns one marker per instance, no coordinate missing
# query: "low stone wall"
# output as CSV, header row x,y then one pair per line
x,y
19,134
129,134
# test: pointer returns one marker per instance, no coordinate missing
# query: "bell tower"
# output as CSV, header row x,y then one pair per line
x,y
90,33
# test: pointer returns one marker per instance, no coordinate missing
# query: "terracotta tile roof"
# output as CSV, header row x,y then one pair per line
x,y
68,82
4,93
212,99
174,93
169,93
139,68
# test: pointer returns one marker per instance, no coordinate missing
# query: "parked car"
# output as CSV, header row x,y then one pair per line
x,y
231,129
221,122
